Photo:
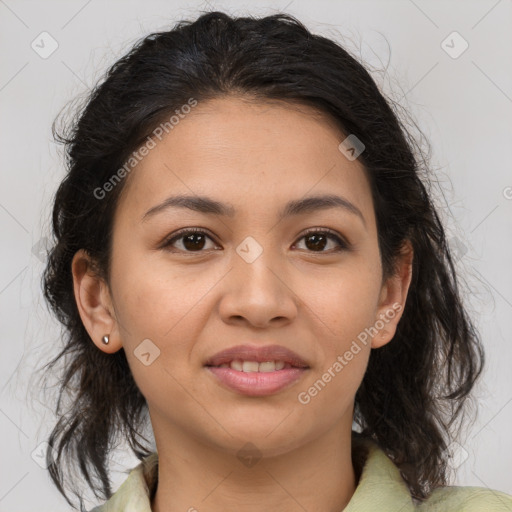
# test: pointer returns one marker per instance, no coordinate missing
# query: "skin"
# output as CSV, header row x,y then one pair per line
x,y
255,156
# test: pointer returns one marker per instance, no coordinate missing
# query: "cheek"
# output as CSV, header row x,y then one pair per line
x,y
161,316
341,320
341,307
165,305
343,301
156,299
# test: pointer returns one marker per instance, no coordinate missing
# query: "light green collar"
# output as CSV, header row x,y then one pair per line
x,y
380,488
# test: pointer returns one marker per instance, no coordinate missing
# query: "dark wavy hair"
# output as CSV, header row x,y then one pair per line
x,y
414,389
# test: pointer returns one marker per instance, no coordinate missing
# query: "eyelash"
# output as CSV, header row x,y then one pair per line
x,y
343,244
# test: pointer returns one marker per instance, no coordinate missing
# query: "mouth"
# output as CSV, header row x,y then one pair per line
x,y
252,358
257,371
255,366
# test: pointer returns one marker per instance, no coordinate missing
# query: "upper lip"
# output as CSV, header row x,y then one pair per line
x,y
257,353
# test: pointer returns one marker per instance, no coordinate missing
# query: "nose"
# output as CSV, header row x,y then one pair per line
x,y
258,292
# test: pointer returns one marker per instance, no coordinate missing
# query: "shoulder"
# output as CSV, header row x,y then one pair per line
x,y
135,493
381,488
466,499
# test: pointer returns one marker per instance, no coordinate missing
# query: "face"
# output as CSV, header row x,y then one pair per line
x,y
309,281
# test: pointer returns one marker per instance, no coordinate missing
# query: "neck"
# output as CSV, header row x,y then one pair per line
x,y
318,475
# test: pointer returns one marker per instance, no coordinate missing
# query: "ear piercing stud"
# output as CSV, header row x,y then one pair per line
x,y
105,339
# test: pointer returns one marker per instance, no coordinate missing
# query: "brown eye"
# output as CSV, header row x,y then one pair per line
x,y
192,240
195,240
317,240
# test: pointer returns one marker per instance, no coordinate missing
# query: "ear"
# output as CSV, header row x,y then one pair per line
x,y
392,297
94,303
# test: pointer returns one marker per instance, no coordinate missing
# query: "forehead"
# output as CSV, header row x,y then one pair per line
x,y
250,151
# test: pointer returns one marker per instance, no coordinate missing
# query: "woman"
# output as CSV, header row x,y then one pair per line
x,y
246,254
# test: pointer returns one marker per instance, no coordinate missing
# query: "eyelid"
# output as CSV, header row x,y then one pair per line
x,y
343,243
183,231
343,240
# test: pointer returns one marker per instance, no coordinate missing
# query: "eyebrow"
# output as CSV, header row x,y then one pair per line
x,y
209,206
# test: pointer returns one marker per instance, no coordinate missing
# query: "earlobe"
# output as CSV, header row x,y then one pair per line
x,y
94,304
393,297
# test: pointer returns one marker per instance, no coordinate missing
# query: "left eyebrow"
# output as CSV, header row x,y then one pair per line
x,y
209,206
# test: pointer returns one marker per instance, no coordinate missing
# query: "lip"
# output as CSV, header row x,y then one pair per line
x,y
259,354
257,383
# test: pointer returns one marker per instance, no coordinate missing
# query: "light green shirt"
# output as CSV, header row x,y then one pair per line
x,y
380,489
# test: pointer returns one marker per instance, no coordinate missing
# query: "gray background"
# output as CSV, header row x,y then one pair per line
x,y
463,104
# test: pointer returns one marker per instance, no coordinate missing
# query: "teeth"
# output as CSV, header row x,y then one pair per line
x,y
250,366
254,366
237,365
267,366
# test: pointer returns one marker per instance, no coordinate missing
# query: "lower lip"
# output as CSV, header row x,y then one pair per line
x,y
257,383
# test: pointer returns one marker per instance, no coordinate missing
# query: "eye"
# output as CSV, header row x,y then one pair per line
x,y
194,240
316,240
